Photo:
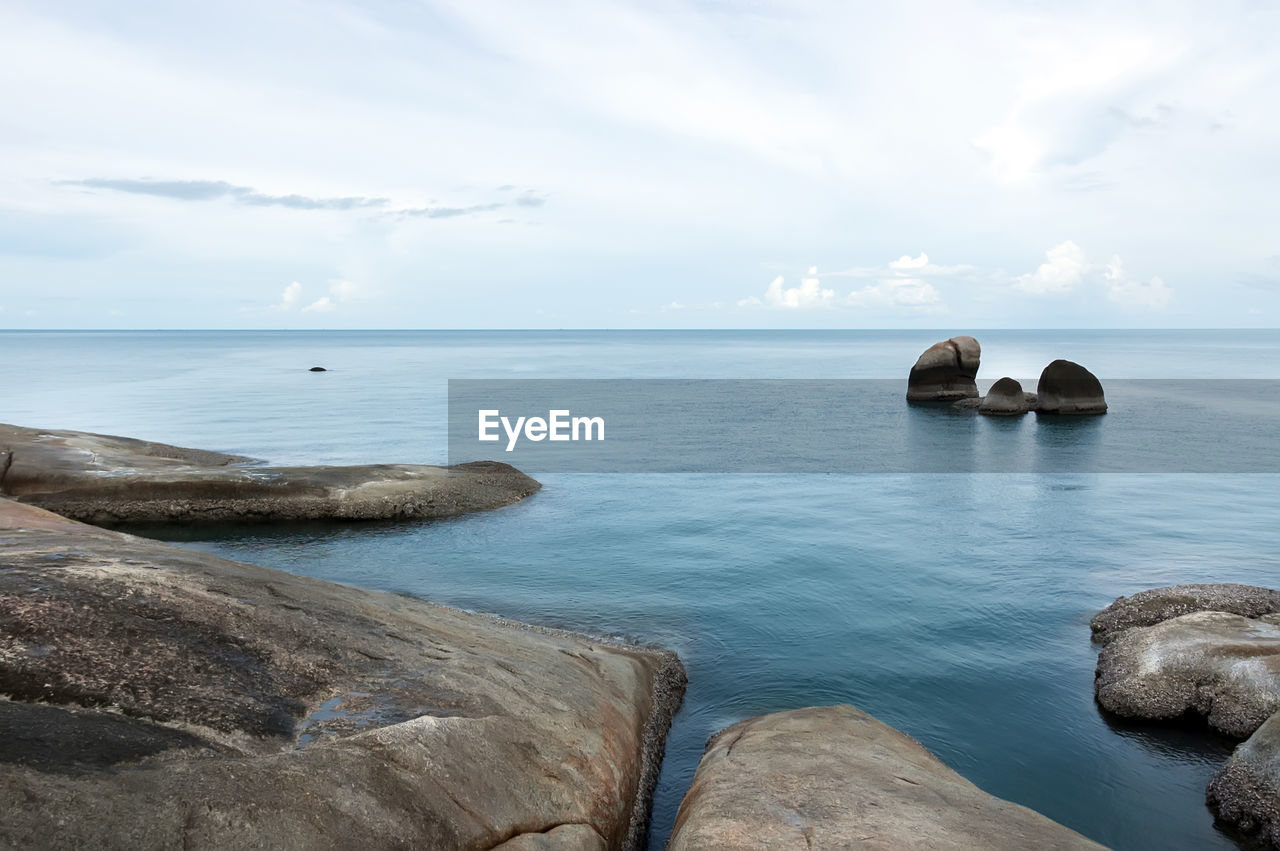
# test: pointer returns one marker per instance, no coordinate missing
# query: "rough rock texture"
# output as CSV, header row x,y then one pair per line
x,y
103,479
1004,399
1223,666
834,777
946,371
1245,793
1068,388
157,697
1160,604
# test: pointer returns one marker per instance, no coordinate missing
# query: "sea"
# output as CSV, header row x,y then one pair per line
x,y
953,606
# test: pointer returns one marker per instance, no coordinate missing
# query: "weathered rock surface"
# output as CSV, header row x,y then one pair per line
x,y
157,697
1160,604
1245,793
947,370
1067,387
1005,399
104,479
834,777
1220,665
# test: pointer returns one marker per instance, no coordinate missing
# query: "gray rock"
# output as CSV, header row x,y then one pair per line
x,y
1160,604
1245,793
834,777
158,697
1220,665
317,369
104,479
1068,388
945,371
1004,399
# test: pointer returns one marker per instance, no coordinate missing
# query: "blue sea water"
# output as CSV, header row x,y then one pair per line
x,y
952,606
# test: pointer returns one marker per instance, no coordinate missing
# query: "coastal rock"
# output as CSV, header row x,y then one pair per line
x,y
1220,665
1004,399
317,369
1147,608
158,697
834,777
1245,793
1068,388
947,370
104,479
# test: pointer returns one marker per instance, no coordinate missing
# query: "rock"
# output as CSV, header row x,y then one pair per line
x,y
1068,388
1245,793
834,777
104,479
945,371
159,697
1220,665
1160,604
1004,399
317,369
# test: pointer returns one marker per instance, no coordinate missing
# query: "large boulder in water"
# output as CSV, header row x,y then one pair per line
x,y
1147,608
1246,792
159,697
1067,387
1217,664
946,371
1005,399
833,777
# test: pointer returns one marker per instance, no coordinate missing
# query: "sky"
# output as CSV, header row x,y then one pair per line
x,y
650,164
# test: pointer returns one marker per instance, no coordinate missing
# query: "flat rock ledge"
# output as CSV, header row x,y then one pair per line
x,y
833,777
1245,793
104,479
158,697
1147,608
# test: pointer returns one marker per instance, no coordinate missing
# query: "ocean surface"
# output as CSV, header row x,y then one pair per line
x,y
953,606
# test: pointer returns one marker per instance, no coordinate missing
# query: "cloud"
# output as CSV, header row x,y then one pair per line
x,y
899,292
213,190
1064,268
809,294
289,298
321,305
1152,295
890,292
906,266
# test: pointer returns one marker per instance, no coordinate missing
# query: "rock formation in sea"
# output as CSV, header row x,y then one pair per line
x,y
833,777
946,371
1066,387
159,697
1005,399
103,479
1160,604
1245,793
317,369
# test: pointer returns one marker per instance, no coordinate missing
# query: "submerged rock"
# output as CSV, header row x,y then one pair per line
x,y
1245,793
165,698
947,370
834,777
103,479
1220,665
1005,398
1160,604
1068,388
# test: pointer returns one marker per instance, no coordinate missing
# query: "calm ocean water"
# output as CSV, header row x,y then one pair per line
x,y
954,607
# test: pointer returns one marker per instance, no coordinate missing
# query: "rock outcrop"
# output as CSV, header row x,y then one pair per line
x,y
946,371
1147,608
834,777
1005,399
1068,388
1246,792
157,697
104,479
1220,665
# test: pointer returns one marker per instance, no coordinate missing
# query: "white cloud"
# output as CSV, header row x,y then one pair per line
x,y
899,292
809,294
1064,268
907,266
890,292
321,305
289,298
1152,295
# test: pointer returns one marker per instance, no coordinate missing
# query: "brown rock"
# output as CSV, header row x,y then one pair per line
x,y
833,777
1068,388
1004,399
160,697
1245,793
946,371
1160,604
104,479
